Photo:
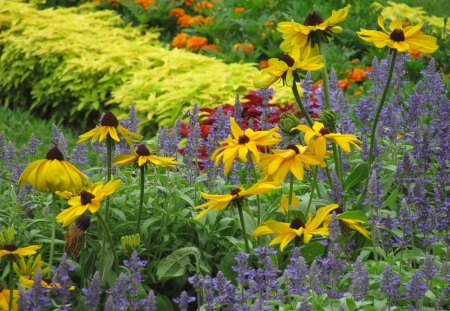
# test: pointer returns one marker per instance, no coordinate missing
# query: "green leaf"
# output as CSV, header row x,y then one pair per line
x,y
354,215
175,264
312,250
356,176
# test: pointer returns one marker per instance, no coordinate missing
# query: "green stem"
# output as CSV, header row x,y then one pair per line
x,y
380,107
299,101
109,145
244,233
337,163
141,198
312,190
52,241
108,234
11,282
326,83
291,192
258,203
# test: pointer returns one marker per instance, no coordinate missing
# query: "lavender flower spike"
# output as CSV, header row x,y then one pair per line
x,y
183,301
93,292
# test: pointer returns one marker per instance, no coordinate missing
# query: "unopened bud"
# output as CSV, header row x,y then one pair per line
x,y
328,118
287,122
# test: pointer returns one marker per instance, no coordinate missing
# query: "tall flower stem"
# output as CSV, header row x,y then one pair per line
x,y
106,234
11,282
109,145
380,107
314,186
337,163
258,203
244,233
326,83
52,240
291,192
299,101
141,198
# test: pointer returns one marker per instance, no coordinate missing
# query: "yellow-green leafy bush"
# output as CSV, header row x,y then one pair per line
x,y
73,62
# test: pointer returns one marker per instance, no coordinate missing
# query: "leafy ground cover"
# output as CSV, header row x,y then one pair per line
x,y
337,201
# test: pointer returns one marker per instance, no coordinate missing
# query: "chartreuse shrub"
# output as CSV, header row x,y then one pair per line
x,y
74,61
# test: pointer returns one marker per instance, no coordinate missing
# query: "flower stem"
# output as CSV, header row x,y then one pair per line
x,y
291,192
299,101
109,145
380,107
11,282
258,204
326,83
141,198
312,190
52,241
108,234
244,233
337,163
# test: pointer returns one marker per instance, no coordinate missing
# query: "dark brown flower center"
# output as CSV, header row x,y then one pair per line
x,y
47,280
235,191
83,222
109,119
397,35
142,150
243,140
338,211
86,197
293,147
296,224
324,131
10,247
287,59
54,154
313,19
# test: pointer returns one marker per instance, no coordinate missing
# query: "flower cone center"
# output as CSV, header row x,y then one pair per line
x,y
83,222
10,247
287,59
86,197
296,224
243,139
109,119
293,147
142,150
397,35
324,131
54,154
313,19
235,191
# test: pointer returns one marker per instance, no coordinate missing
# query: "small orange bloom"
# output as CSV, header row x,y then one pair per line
x,y
195,43
263,64
208,20
354,61
144,3
203,6
357,75
213,47
343,84
239,10
269,24
180,40
189,2
247,48
177,12
414,53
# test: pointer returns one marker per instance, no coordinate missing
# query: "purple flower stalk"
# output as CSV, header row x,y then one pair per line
x,y
360,280
390,285
62,279
183,301
93,292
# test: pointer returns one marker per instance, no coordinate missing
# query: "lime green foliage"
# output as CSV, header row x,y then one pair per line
x,y
73,62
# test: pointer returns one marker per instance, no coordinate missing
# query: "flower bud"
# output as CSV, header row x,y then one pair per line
x,y
130,241
328,118
287,122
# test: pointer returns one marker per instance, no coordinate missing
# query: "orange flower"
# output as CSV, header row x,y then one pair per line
x,y
239,10
188,20
269,24
213,47
357,75
203,6
144,3
189,2
414,53
343,84
247,48
195,43
263,64
208,20
177,12
180,40
354,61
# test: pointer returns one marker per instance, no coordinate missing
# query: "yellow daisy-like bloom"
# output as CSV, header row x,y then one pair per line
x,y
284,67
298,37
53,174
4,299
28,269
351,223
292,159
286,232
284,203
142,156
222,201
322,134
13,250
26,282
109,126
399,38
88,199
240,143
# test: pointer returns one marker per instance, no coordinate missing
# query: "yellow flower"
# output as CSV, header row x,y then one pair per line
x,y
354,224
292,159
222,201
286,232
298,37
26,270
399,38
109,126
88,199
13,250
4,299
53,174
240,143
284,203
142,156
46,283
284,67
322,134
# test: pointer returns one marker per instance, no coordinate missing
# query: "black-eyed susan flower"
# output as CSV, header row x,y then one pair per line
x,y
240,143
222,201
26,270
292,159
322,134
284,67
53,174
5,295
142,156
13,250
352,223
400,38
286,232
284,203
298,37
109,126
87,200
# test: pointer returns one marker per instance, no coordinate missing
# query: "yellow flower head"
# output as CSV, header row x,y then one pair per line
x,y
142,156
222,201
26,270
298,37
292,159
53,174
109,126
286,232
88,199
284,67
284,203
400,38
4,299
14,250
240,143
354,224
